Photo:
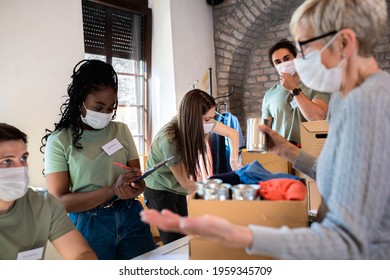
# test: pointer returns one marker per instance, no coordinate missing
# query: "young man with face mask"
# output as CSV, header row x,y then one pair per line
x,y
290,102
29,218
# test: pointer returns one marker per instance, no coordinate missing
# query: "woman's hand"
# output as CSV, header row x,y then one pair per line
x,y
235,165
279,145
125,187
211,227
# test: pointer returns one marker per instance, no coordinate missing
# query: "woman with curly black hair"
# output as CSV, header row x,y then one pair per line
x,y
79,169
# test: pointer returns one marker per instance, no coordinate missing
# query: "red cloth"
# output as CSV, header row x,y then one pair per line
x,y
282,189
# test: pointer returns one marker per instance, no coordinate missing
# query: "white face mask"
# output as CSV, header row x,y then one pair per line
x,y
286,67
315,75
96,120
207,127
13,183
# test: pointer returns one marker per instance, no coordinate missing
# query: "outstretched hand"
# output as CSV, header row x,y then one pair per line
x,y
211,227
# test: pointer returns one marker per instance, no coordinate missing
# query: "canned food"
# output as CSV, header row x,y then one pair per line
x,y
223,191
256,140
213,183
201,185
244,191
210,193
200,189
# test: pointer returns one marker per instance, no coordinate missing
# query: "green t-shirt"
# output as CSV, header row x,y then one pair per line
x,y
286,119
163,147
35,218
91,167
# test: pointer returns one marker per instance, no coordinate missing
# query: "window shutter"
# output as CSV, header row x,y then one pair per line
x,y
112,32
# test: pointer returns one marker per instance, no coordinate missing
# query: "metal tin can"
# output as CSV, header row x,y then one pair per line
x,y
223,191
256,140
204,187
200,185
210,193
213,183
244,191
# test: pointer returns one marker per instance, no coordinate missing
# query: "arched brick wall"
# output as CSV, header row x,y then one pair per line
x,y
244,30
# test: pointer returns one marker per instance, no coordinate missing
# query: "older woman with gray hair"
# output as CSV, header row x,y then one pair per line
x,y
336,39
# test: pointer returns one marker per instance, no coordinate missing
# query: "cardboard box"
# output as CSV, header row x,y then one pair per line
x,y
269,161
314,196
313,136
260,212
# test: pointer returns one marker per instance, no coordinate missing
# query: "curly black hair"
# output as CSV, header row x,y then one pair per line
x,y
282,44
87,75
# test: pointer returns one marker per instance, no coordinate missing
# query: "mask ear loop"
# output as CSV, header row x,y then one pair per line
x,y
86,110
343,58
329,42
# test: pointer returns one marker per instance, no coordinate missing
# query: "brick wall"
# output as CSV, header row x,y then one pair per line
x,y
244,30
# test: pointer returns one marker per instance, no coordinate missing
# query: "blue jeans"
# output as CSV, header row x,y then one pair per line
x,y
115,232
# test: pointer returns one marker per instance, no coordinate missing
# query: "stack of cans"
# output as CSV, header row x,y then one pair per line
x,y
215,189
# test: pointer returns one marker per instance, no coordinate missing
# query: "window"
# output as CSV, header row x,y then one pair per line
x,y
120,35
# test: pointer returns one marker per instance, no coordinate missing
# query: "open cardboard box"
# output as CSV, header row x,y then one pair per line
x,y
269,161
313,137
314,196
260,212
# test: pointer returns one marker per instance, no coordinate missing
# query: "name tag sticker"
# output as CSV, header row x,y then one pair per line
x,y
112,147
294,104
34,254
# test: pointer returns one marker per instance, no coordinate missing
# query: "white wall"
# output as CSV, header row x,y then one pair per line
x,y
162,98
193,44
41,41
183,51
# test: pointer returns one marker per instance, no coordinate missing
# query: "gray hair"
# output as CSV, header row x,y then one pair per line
x,y
367,18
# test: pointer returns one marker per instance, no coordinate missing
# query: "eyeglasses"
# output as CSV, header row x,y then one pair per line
x,y
300,44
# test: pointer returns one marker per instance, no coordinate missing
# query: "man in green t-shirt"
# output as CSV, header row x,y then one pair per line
x,y
29,218
290,102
